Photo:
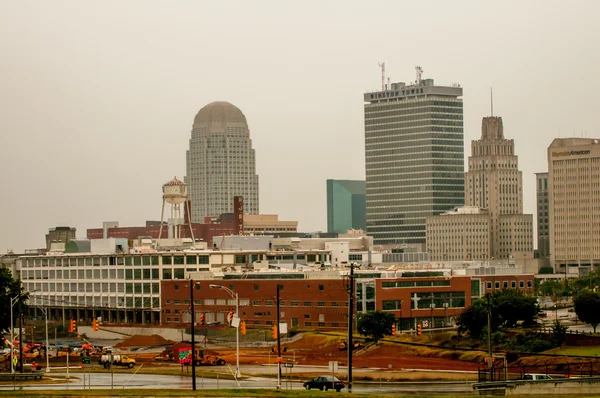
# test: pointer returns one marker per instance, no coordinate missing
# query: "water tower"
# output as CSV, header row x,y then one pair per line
x,y
175,193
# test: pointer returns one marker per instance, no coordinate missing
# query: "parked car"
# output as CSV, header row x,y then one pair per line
x,y
536,376
325,383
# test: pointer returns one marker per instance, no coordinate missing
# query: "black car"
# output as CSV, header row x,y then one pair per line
x,y
325,383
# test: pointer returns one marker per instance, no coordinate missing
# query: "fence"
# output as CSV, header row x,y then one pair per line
x,y
580,368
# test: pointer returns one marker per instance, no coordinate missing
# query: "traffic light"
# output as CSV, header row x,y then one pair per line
x,y
274,331
202,320
419,329
243,327
95,324
394,329
230,318
73,326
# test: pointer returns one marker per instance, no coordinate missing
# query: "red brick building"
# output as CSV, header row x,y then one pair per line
x,y
304,303
424,299
226,225
493,283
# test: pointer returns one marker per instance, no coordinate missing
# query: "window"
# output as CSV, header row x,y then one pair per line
x,y
521,284
176,287
513,284
307,304
321,287
306,316
255,287
529,284
497,285
335,304
505,285
391,305
321,304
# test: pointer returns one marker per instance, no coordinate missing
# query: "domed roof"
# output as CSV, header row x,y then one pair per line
x,y
174,181
220,112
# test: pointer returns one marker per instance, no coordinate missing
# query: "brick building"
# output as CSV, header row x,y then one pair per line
x,y
304,303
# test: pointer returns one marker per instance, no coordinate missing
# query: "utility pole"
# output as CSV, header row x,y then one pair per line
x,y
489,322
278,341
20,338
193,338
350,324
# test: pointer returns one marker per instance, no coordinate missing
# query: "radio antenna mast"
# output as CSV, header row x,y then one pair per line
x,y
419,73
382,66
492,101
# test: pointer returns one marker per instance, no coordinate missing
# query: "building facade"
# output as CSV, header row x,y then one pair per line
x,y
493,183
261,224
574,196
462,234
543,212
220,162
346,206
414,152
304,303
60,234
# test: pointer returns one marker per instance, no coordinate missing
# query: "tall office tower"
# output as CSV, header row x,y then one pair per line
x,y
494,182
414,150
543,207
346,205
220,162
574,196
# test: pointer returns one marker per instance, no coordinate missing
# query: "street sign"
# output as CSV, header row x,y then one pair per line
x,y
333,366
425,323
86,360
288,365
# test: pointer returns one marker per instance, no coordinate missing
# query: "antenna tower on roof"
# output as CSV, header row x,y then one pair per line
x,y
419,73
382,66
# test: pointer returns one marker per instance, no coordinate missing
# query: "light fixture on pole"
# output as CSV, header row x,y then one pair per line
x,y
236,324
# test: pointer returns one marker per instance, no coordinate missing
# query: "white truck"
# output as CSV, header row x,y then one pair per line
x,y
108,360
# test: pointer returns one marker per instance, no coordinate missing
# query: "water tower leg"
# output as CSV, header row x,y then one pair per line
x,y
189,220
162,217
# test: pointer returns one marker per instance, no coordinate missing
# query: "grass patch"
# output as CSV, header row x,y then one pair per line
x,y
591,351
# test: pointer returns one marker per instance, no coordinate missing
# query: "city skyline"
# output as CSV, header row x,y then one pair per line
x,y
95,120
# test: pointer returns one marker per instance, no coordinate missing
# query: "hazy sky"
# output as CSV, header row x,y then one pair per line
x,y
97,99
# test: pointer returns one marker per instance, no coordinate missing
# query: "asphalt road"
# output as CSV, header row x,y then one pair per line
x,y
121,381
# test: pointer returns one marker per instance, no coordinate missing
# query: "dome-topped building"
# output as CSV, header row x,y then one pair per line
x,y
220,162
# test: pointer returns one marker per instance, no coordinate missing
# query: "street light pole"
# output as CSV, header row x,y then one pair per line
x,y
235,296
13,301
45,311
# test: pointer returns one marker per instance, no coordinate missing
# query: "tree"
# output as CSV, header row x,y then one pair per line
x,y
587,307
375,324
9,288
508,307
513,306
559,333
473,320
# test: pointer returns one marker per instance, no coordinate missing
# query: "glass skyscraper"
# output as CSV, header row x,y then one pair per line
x,y
414,150
220,162
346,205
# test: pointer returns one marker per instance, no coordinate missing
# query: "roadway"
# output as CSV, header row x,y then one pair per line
x,y
120,381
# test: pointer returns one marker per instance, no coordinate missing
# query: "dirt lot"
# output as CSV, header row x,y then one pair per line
x,y
319,350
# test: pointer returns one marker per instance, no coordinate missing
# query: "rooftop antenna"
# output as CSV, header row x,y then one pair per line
x,y
382,66
419,73
492,101
388,83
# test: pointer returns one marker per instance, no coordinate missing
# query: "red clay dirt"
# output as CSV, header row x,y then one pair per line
x,y
319,350
138,340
